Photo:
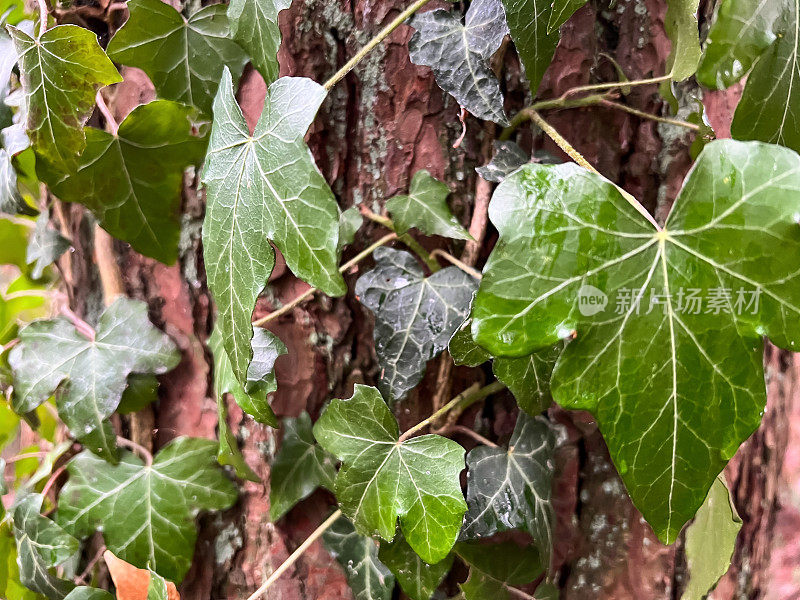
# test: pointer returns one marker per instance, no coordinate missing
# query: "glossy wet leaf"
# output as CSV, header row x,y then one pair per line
x,y
141,203
418,579
710,542
680,24
146,513
459,54
41,545
381,479
368,577
508,157
528,23
90,376
496,567
598,268
511,488
45,246
299,468
60,73
415,316
425,207
261,189
254,25
184,58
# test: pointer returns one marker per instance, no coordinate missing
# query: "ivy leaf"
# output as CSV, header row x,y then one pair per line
x,y
83,592
368,577
711,541
680,24
11,201
146,513
131,583
141,203
254,25
418,579
300,467
142,391
562,11
44,246
511,488
508,157
90,376
10,586
261,382
463,348
60,73
41,545
528,23
228,453
496,567
415,315
459,55
382,479
350,222
671,433
260,189
425,207
184,58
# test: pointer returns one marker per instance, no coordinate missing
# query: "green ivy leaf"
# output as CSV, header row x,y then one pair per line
x,y
90,375
141,203
228,453
368,577
382,479
142,391
264,188
496,567
710,541
89,593
415,315
459,55
41,545
300,467
528,22
254,24
10,586
44,246
418,579
146,513
11,201
569,238
350,222
511,488
184,58
261,382
680,24
508,157
60,73
425,207
562,11
157,588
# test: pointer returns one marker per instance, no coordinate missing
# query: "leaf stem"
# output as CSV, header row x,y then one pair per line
x,y
461,265
406,238
42,17
25,456
615,84
311,291
468,432
143,452
111,122
645,115
295,555
561,142
382,34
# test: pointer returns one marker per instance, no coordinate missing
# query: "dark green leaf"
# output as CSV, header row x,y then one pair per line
x,y
415,315
146,513
546,591
11,201
511,488
90,375
183,57
528,378
368,577
575,256
459,54
680,24
382,479
254,24
142,391
417,578
10,586
60,72
89,593
260,189
496,567
300,467
463,348
562,11
44,246
508,157
425,207
350,221
228,453
528,22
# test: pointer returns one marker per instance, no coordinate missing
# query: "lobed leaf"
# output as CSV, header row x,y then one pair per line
x,y
45,246
535,41
508,157
496,567
254,25
425,207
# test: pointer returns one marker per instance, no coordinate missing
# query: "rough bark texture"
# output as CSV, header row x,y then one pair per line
x,y
384,122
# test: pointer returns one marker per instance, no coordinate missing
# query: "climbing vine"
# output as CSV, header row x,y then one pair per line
x,y
655,326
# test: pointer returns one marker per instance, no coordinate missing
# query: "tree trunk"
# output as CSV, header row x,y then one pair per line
x,y
384,122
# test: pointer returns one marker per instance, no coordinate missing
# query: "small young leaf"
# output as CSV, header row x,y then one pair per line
x,y
459,54
425,207
415,316
368,577
511,489
528,22
710,541
60,73
382,479
350,222
89,593
705,392
183,57
146,513
254,25
260,189
418,579
300,467
496,567
508,157
11,201
140,204
44,246
680,24
90,376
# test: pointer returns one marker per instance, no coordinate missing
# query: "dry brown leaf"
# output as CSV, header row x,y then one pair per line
x,y
132,583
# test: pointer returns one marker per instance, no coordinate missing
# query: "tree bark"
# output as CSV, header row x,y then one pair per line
x,y
384,122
